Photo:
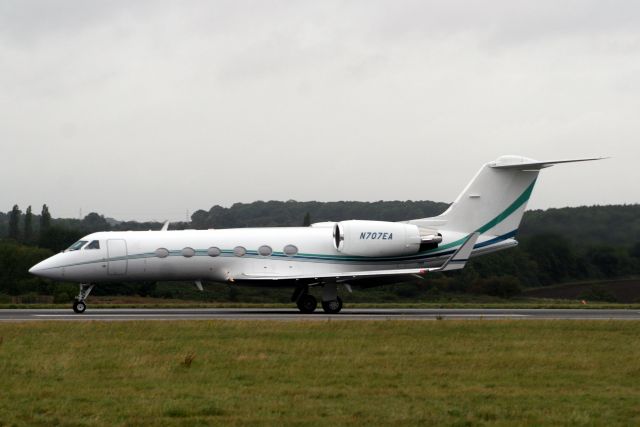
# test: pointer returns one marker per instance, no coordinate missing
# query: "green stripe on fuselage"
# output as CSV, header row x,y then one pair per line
x,y
521,200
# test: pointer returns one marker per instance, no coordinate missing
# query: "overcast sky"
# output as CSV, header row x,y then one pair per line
x,y
143,110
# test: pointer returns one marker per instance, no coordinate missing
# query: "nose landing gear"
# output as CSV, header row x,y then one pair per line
x,y
79,306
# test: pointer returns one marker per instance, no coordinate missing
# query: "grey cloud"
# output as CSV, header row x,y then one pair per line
x,y
182,105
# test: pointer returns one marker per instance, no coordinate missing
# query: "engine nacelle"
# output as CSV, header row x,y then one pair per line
x,y
376,238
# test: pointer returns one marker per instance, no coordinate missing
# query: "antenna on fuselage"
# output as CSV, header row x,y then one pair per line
x,y
165,226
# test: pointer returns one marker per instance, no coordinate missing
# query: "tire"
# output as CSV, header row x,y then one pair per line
x,y
307,303
332,307
79,307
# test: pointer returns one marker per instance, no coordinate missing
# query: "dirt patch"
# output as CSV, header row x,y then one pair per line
x,y
626,291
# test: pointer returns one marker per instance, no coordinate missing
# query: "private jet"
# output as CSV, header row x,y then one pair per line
x,y
483,219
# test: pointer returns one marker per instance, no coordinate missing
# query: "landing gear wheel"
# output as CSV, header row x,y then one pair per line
x,y
307,303
332,307
79,307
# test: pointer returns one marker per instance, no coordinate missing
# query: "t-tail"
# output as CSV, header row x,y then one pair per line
x,y
494,201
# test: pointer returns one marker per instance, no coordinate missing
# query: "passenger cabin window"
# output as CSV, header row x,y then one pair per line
x,y
239,251
290,250
162,252
188,252
265,250
213,251
77,245
95,244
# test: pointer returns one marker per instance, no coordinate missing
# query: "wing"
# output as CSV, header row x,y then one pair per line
x,y
455,262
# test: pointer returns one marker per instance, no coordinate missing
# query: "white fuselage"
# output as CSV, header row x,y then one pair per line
x,y
216,255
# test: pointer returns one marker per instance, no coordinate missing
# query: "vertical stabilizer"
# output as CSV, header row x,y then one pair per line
x,y
494,201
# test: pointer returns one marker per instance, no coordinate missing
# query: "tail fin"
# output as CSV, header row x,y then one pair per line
x,y
495,199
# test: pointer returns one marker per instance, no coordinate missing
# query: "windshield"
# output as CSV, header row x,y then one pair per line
x,y
93,245
77,245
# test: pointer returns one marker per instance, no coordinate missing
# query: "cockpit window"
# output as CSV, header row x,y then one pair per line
x,y
77,245
95,244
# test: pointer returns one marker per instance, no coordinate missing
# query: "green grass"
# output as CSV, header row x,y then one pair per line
x,y
320,373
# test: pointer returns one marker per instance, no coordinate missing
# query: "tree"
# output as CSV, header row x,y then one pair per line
x,y
553,255
307,220
635,250
28,225
15,261
605,259
58,238
14,221
95,222
45,219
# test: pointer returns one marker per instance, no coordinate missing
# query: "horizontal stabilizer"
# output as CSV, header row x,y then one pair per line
x,y
521,163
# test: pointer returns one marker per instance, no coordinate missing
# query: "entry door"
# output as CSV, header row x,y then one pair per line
x,y
117,253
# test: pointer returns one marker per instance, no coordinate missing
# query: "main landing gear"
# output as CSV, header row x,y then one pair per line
x,y
79,306
307,303
333,306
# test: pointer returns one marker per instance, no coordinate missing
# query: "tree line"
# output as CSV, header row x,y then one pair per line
x,y
556,245
24,232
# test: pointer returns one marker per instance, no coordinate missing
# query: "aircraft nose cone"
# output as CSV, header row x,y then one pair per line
x,y
48,268
36,269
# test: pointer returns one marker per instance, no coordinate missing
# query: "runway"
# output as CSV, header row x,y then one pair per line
x,y
22,315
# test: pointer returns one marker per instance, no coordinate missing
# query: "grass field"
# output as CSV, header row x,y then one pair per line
x,y
320,373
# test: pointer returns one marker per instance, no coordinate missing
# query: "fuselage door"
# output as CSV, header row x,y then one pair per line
x,y
117,255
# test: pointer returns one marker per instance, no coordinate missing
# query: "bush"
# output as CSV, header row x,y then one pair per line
x,y
64,293
163,293
30,298
15,261
499,286
409,290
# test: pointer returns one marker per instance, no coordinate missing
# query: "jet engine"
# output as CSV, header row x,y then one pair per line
x,y
381,238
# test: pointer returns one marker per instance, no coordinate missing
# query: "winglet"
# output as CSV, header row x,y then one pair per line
x,y
165,226
460,257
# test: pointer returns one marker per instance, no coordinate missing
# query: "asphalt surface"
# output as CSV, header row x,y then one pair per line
x,y
19,315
